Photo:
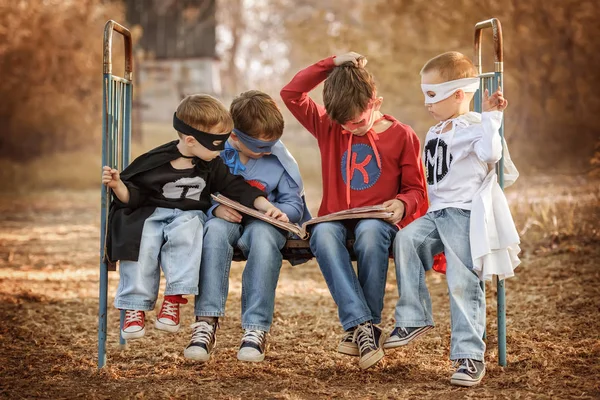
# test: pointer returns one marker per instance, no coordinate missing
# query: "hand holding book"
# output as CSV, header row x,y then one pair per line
x,y
378,212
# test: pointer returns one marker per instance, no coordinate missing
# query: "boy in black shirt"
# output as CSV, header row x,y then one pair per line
x,y
158,213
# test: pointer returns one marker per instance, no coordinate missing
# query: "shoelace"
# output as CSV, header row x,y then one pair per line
x,y
202,332
169,309
363,335
349,336
468,363
254,336
132,316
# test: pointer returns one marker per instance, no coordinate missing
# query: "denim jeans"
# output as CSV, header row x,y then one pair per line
x,y
261,244
359,297
444,230
173,239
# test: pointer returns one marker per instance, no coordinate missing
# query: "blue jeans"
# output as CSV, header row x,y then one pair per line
x,y
261,244
173,239
445,230
359,297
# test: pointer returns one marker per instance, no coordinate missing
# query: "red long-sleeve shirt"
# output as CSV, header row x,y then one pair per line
x,y
400,175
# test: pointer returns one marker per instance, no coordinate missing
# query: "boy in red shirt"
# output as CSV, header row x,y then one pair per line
x,y
367,158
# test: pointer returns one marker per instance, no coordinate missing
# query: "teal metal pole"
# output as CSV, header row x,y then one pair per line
x,y
500,290
103,281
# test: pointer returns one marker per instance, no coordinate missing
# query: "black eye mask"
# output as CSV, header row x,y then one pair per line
x,y
205,139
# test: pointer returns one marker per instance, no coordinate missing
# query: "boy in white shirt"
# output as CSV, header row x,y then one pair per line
x,y
457,154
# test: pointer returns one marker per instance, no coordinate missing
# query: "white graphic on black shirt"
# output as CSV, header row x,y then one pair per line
x,y
184,188
437,161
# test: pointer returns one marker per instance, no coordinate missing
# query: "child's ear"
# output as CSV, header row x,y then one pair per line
x,y
459,95
234,136
378,103
190,141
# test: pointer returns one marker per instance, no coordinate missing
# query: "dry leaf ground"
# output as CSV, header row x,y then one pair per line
x,y
48,309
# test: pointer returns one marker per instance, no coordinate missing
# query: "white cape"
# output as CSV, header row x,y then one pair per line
x,y
494,237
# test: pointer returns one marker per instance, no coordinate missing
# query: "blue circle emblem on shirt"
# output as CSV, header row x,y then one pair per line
x,y
364,171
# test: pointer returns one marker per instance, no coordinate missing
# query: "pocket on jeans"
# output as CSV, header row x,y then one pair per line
x,y
464,213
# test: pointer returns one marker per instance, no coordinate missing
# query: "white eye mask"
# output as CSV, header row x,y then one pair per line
x,y
444,90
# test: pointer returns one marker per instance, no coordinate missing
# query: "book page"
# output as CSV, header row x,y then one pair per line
x,y
288,226
377,212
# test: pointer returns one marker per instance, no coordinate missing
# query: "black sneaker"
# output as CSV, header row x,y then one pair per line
x,y
469,372
348,345
402,336
369,339
204,337
253,346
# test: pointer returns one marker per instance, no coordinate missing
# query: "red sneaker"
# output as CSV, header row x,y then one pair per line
x,y
168,316
133,325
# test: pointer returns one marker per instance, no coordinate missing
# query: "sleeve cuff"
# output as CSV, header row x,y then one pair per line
x,y
493,115
409,208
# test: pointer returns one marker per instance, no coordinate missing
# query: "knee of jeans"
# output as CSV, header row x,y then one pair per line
x,y
324,235
371,234
402,240
262,235
459,288
217,229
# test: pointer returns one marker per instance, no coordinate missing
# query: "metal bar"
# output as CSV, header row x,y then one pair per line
x,y
497,36
482,284
107,59
102,297
127,124
500,289
116,128
491,81
122,341
501,296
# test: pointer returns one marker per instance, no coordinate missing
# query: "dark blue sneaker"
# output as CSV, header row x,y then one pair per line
x,y
348,344
369,339
402,336
253,346
204,337
469,372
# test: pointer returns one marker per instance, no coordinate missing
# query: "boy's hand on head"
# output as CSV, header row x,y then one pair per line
x,y
355,58
276,213
228,214
110,177
495,102
397,207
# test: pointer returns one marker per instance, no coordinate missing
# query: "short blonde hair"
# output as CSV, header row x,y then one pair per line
x,y
205,113
451,66
256,114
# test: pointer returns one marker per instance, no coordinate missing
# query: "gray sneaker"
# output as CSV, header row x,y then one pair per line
x,y
204,338
252,348
469,372
369,339
402,336
348,345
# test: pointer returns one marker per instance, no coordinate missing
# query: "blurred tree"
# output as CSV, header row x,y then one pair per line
x,y
551,58
51,63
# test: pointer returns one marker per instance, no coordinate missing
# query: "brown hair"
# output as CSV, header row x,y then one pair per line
x,y
205,113
347,92
451,65
256,114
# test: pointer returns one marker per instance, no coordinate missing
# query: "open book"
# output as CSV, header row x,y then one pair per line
x,y
379,212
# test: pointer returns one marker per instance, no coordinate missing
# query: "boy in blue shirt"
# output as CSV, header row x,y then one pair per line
x,y
254,152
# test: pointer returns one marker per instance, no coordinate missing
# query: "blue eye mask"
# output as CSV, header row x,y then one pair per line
x,y
255,145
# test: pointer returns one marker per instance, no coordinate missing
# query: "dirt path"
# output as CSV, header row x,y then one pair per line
x,y
48,309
